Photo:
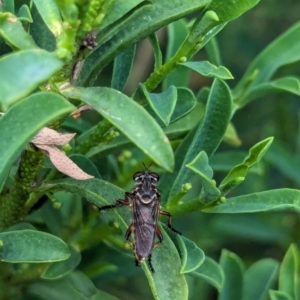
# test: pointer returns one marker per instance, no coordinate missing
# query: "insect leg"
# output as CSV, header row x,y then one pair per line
x,y
127,235
160,238
118,202
150,264
165,213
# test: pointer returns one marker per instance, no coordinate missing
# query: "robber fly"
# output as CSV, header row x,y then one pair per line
x,y
145,206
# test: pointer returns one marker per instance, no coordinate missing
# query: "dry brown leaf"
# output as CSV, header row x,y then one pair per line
x,y
46,140
76,114
63,163
47,136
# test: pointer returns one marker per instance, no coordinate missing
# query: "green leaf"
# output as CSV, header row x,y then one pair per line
x,y
162,104
24,14
207,69
14,34
101,193
233,268
153,17
282,51
200,166
238,174
213,51
177,32
130,118
192,257
9,6
278,295
156,50
211,272
207,137
166,261
40,32
37,67
51,15
118,9
285,84
231,9
31,246
60,269
122,68
280,199
259,278
17,128
288,273
186,102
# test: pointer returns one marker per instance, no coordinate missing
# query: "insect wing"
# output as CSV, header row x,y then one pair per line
x,y
145,222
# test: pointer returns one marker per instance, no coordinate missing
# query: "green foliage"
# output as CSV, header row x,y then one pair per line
x,y
73,66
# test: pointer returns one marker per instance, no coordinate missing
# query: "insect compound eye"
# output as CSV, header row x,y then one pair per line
x,y
137,176
154,176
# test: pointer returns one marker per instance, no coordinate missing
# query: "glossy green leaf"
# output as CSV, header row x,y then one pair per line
x,y
283,50
173,286
233,268
85,164
207,69
17,128
32,246
207,137
14,34
192,257
231,9
122,68
231,137
24,14
238,174
40,32
162,104
200,166
211,272
37,67
156,50
284,84
156,15
279,295
118,10
288,273
130,118
50,14
213,51
186,102
60,269
100,193
259,278
177,33
280,199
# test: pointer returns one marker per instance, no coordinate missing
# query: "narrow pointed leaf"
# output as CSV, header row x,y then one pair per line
x,y
14,34
37,67
200,166
122,67
130,118
211,272
207,69
239,172
207,138
259,278
279,200
233,269
17,128
288,273
32,246
279,295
